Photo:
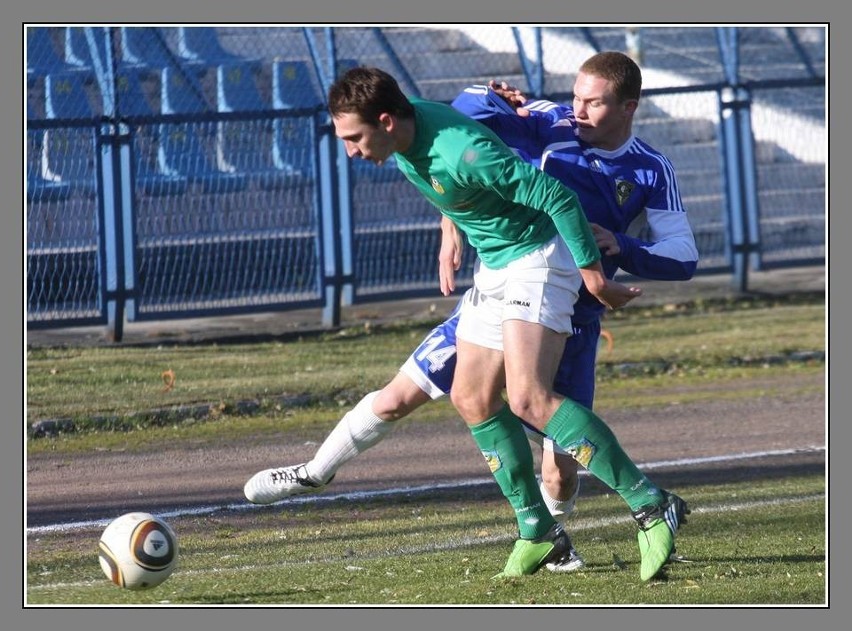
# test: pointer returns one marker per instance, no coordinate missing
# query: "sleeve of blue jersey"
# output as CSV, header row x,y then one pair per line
x,y
480,101
547,109
527,136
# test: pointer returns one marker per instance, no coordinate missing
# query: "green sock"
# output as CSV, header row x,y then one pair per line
x,y
591,442
504,444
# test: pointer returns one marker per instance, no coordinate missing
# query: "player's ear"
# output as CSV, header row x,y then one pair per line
x,y
630,106
386,121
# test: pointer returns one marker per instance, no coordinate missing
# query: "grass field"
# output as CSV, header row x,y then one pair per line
x,y
745,543
118,387
748,541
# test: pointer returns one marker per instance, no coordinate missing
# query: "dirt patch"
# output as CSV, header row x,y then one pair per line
x,y
76,487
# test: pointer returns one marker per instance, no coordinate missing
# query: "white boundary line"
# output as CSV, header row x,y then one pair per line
x,y
401,491
466,542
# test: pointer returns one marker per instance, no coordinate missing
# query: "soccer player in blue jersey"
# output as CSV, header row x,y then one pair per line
x,y
427,374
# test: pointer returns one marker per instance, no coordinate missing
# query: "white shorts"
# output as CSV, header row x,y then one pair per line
x,y
540,287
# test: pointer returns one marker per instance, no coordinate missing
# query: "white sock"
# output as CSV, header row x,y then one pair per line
x,y
357,431
560,509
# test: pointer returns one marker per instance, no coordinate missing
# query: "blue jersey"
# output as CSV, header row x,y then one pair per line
x,y
631,191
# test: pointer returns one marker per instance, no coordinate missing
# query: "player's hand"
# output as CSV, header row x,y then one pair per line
x,y
605,240
450,256
513,96
612,294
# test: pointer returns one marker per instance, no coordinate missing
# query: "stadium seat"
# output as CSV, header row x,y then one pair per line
x,y
132,100
66,97
201,44
181,93
78,46
41,185
147,47
236,90
244,143
69,153
293,138
182,149
42,56
293,86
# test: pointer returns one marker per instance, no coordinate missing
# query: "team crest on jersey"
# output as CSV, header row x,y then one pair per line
x,y
437,186
493,460
582,451
623,188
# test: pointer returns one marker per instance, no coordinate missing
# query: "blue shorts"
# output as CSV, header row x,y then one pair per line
x,y
432,364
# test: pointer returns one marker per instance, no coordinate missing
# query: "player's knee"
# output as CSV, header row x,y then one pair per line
x,y
473,407
462,404
529,407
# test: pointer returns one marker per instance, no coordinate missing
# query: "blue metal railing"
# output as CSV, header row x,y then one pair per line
x,y
113,246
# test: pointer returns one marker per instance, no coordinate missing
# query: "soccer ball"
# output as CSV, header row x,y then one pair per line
x,y
138,551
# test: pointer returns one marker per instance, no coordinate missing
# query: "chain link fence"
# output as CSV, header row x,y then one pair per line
x,y
184,171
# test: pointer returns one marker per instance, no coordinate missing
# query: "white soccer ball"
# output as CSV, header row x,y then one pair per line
x,y
138,551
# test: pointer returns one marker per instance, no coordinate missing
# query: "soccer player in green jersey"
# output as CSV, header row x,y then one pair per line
x,y
535,248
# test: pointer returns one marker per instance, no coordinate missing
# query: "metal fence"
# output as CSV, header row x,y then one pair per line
x,y
187,171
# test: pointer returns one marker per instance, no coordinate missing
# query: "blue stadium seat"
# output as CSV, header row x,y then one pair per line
x,y
41,185
66,97
182,149
236,89
69,152
181,93
244,143
147,47
201,44
132,100
293,86
42,56
293,138
41,189
78,46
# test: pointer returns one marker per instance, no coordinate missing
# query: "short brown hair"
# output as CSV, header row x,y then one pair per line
x,y
619,69
368,92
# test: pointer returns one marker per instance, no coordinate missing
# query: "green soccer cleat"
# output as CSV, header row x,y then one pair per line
x,y
530,555
656,544
657,527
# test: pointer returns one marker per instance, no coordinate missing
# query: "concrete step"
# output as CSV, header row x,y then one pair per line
x,y
770,176
443,90
451,65
668,131
428,41
774,204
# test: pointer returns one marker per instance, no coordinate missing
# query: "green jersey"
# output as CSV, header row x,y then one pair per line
x,y
505,206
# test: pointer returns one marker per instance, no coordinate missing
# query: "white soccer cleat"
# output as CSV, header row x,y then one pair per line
x,y
273,485
570,561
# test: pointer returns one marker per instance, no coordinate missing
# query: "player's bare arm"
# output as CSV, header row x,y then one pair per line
x,y
449,257
610,293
